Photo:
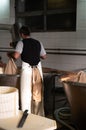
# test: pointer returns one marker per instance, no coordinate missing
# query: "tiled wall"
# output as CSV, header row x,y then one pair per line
x,y
67,40
64,40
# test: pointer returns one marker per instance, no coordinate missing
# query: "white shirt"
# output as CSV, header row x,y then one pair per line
x,y
19,48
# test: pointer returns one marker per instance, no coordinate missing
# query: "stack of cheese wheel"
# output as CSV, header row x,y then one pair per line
x,y
9,101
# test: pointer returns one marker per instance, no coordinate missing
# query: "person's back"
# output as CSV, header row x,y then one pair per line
x,y
31,51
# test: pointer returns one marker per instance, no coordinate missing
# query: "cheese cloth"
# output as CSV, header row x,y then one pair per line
x,y
79,77
11,67
36,85
37,92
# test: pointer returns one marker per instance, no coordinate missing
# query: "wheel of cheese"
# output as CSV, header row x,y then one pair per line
x,y
9,101
1,70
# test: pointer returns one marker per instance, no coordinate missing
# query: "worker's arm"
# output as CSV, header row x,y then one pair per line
x,y
14,55
43,56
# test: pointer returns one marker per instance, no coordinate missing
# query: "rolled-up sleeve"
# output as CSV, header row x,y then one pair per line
x,y
19,47
42,52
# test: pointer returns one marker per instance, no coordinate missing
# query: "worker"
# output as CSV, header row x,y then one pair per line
x,y
31,83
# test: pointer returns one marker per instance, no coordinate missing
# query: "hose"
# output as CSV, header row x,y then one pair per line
x,y
63,116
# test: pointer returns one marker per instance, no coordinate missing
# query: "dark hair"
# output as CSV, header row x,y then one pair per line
x,y
25,30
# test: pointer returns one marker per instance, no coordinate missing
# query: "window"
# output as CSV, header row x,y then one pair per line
x,y
47,15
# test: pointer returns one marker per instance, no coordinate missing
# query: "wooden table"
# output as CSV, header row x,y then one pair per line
x,y
33,122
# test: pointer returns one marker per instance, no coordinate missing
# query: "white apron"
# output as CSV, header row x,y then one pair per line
x,y
26,91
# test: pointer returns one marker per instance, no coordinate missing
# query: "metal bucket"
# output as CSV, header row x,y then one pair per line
x,y
76,95
10,80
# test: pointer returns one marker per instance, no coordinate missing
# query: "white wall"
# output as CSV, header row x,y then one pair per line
x,y
6,23
67,40
62,40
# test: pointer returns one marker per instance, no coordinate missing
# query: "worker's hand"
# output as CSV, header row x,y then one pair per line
x,y
10,54
43,57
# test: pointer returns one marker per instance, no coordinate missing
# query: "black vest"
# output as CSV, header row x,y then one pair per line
x,y
31,51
